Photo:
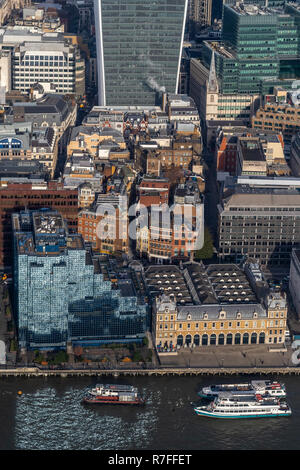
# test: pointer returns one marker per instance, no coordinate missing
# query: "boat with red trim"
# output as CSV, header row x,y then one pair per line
x,y
109,394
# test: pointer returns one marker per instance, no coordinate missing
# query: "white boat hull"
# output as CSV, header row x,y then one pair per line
x,y
254,414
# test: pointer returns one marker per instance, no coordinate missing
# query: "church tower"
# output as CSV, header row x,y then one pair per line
x,y
212,91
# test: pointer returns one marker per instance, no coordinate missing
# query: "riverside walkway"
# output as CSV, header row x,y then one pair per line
x,y
162,371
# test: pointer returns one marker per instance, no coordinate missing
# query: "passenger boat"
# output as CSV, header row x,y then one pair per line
x,y
114,395
228,405
262,387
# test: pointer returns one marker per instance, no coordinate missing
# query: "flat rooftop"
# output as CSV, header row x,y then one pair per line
x,y
220,48
43,232
248,198
255,10
251,150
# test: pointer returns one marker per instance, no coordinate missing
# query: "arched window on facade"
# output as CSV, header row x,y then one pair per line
x,y
204,340
213,339
196,340
237,338
261,338
246,338
221,339
253,338
229,338
188,339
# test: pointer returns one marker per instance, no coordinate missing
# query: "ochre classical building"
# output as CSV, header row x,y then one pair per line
x,y
90,139
194,306
175,326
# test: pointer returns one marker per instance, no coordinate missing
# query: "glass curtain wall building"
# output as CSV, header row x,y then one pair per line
x,y
139,46
63,294
259,48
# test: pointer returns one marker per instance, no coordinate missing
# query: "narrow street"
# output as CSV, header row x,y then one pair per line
x,y
211,195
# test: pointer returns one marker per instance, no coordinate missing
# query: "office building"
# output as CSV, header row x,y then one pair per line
x,y
217,108
18,193
295,155
181,108
250,158
295,280
280,112
5,74
21,141
64,295
199,15
260,43
106,232
39,57
259,50
164,234
99,143
153,191
81,172
138,49
43,18
198,307
228,153
259,219
52,110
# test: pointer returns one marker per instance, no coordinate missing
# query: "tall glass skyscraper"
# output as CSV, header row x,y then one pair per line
x,y
139,46
64,294
260,48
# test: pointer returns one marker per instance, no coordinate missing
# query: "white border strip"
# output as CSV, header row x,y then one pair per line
x,y
181,45
100,53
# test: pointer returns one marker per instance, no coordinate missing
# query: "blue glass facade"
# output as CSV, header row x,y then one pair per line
x,y
138,49
63,294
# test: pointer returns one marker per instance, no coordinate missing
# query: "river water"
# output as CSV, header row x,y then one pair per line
x,y
49,415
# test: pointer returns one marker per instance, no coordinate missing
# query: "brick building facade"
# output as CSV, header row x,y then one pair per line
x,y
20,196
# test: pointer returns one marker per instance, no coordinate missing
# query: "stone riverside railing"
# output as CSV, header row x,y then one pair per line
x,y
162,371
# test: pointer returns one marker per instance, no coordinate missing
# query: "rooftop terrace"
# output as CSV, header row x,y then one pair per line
x,y
43,232
255,10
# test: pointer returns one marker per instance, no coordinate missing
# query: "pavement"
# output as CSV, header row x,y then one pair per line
x,y
5,336
211,199
227,356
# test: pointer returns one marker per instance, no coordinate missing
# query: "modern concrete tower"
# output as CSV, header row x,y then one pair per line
x,y
139,48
